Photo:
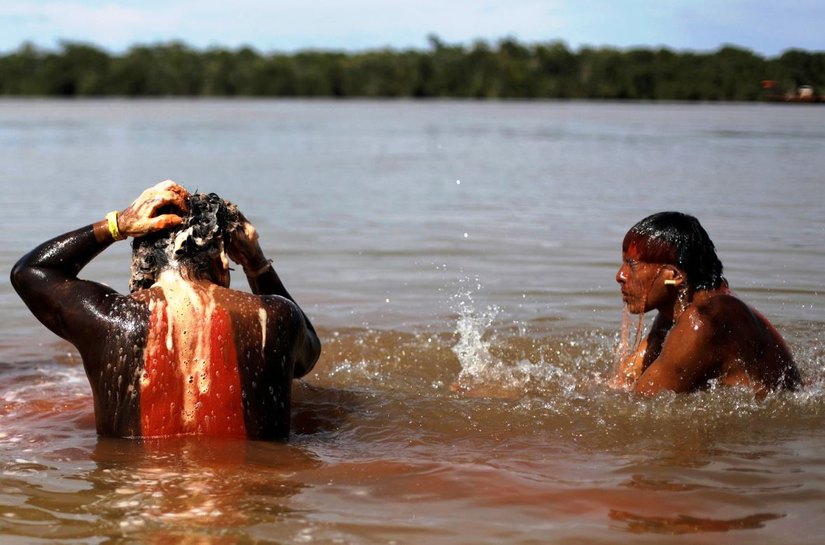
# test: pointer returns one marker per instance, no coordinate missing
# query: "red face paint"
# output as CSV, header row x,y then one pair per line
x,y
633,251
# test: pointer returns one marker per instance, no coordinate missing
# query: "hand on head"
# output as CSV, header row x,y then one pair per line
x,y
243,247
154,210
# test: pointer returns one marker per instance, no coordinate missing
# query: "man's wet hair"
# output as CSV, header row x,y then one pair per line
x,y
674,238
196,243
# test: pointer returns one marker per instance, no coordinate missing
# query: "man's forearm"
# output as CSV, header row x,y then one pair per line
x,y
46,278
263,280
64,256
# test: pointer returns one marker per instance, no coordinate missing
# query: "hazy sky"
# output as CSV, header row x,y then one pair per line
x,y
767,27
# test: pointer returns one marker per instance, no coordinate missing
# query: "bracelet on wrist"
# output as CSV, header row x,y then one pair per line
x,y
111,219
258,271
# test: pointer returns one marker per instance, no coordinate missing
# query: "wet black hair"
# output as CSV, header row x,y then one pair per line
x,y
196,243
675,238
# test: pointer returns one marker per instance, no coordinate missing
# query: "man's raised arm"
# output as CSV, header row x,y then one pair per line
x,y
46,278
246,251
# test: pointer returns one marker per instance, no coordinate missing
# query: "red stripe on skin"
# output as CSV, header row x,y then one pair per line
x,y
161,386
221,408
218,411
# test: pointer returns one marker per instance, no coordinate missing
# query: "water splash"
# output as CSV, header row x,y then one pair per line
x,y
472,350
482,373
624,372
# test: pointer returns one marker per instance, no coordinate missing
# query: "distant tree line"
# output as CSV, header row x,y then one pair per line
x,y
505,69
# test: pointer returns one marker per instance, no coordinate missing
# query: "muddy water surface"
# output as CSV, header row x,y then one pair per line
x,y
432,243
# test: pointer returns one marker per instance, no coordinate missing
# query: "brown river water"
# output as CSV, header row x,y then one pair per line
x,y
432,242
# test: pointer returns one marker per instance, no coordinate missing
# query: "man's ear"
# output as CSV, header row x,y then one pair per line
x,y
673,276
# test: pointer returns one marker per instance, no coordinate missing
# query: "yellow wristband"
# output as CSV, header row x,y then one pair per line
x,y
111,217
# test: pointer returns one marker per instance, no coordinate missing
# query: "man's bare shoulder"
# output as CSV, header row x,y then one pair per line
x,y
708,322
243,306
720,307
734,324
245,302
146,295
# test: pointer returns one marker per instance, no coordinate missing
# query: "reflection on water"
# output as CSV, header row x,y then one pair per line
x,y
185,490
193,486
384,450
683,524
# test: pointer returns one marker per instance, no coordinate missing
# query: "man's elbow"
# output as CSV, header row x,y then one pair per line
x,y
647,388
312,352
653,381
309,355
20,276
655,385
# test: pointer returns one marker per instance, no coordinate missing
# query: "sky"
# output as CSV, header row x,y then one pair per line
x,y
766,27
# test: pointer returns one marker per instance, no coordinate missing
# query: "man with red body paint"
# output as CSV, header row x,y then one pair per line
x,y
182,354
702,332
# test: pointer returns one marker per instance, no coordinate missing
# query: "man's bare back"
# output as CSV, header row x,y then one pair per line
x,y
186,355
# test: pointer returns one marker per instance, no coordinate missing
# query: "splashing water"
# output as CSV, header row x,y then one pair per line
x,y
625,349
493,365
480,369
472,350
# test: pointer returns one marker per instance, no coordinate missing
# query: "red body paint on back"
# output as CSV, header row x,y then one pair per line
x,y
161,385
165,384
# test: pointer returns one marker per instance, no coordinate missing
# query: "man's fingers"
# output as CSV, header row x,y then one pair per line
x,y
168,185
178,199
165,193
165,221
182,197
166,199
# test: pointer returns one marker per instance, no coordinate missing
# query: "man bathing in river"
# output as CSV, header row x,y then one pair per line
x,y
702,332
182,353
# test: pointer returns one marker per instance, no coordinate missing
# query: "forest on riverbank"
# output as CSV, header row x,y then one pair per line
x,y
505,69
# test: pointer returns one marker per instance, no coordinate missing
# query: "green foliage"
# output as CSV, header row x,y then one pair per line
x,y
506,69
796,67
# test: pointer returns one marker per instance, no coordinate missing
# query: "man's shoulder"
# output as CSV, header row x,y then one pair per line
x,y
728,317
244,300
719,306
710,319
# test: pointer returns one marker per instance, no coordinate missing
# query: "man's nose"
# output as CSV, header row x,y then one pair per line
x,y
621,275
